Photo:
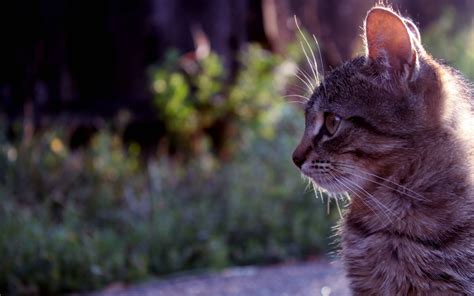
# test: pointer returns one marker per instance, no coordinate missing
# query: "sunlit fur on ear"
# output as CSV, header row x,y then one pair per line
x,y
415,33
390,40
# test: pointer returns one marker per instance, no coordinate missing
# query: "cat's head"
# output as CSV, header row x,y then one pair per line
x,y
374,112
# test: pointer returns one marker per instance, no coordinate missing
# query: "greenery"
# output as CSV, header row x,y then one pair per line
x,y
455,45
78,220
72,221
203,108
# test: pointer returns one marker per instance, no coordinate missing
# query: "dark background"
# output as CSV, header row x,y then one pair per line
x,y
92,57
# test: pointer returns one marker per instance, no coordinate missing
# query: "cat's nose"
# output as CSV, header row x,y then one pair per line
x,y
298,159
301,152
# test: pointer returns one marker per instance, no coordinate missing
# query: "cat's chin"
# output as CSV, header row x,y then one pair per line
x,y
331,188
328,185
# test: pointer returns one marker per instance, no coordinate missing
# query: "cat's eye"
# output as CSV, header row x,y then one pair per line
x,y
332,122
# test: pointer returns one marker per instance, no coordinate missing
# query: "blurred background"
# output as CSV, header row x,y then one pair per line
x,y
141,138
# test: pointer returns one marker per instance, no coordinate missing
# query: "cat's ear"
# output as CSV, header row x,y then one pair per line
x,y
389,39
413,29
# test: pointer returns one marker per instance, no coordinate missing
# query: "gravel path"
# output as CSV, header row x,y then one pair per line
x,y
302,279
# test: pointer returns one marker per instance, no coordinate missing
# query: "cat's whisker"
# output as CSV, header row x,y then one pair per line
x,y
347,196
320,193
308,184
392,146
349,166
311,51
321,61
352,191
305,90
303,101
315,190
310,85
388,212
296,96
296,102
308,60
413,194
328,210
385,185
337,197
308,77
381,207
306,82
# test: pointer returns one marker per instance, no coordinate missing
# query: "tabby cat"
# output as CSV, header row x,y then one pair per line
x,y
394,129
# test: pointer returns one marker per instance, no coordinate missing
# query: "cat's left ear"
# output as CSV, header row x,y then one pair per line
x,y
390,41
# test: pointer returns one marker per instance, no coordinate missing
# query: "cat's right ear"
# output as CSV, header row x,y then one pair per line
x,y
389,41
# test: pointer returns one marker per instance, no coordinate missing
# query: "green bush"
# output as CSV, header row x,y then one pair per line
x,y
205,109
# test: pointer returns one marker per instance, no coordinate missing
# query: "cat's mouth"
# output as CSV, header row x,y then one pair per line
x,y
330,184
326,177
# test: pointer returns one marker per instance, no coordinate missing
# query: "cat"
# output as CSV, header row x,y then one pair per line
x,y
394,129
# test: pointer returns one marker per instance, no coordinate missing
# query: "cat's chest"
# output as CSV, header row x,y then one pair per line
x,y
380,245
387,254
379,256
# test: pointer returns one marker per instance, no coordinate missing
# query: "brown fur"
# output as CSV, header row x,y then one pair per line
x,y
408,120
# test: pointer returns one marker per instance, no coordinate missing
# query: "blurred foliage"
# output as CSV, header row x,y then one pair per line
x,y
73,221
454,45
77,220
203,108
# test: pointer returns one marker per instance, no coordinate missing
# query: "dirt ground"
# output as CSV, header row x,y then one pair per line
x,y
302,279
